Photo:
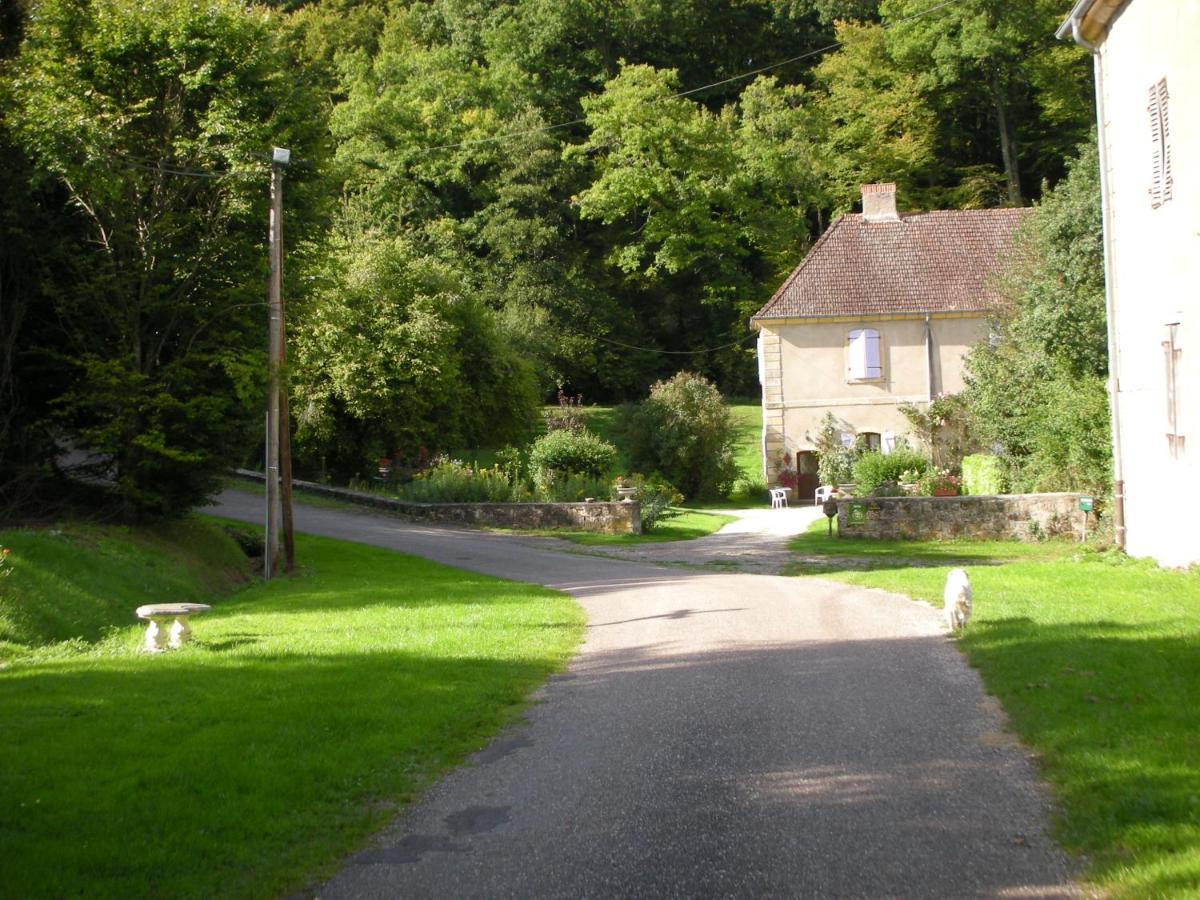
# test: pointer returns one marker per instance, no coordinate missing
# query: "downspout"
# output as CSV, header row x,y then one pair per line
x,y
929,358
1114,381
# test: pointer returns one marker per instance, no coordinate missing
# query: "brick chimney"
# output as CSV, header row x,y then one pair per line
x,y
879,202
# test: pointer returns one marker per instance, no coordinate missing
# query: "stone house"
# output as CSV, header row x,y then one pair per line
x,y
1147,76
877,315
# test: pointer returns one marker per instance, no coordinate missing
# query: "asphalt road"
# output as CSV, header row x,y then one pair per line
x,y
717,736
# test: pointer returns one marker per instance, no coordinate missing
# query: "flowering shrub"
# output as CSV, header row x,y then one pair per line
x,y
936,481
5,565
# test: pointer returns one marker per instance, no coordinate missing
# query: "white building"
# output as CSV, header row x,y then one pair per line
x,y
1147,65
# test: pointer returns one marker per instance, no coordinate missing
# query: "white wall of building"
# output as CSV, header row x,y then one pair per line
x,y
1155,269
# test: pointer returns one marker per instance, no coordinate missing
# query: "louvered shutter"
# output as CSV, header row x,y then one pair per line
x,y
1161,183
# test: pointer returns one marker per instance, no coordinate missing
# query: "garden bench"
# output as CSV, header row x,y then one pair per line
x,y
157,637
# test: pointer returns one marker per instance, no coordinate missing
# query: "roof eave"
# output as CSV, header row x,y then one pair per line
x,y
1088,21
757,322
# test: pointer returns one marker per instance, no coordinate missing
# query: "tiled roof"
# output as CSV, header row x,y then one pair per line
x,y
926,262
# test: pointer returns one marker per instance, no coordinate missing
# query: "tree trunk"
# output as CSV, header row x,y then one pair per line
x,y
1008,142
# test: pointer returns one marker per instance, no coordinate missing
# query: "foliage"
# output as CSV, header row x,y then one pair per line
x,y
558,455
1036,389
982,475
659,500
684,431
876,124
571,487
450,481
873,468
262,693
394,355
999,58
835,461
156,340
943,428
566,416
934,481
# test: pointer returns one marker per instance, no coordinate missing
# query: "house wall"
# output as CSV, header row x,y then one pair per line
x,y
1155,268
805,376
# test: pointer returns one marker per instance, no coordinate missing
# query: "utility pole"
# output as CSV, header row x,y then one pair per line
x,y
275,357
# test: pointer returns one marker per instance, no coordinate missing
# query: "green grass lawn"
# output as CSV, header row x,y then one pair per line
x,y
246,764
1096,659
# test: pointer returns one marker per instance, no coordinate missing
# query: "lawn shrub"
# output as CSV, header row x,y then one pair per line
x,y
873,468
562,453
685,432
982,474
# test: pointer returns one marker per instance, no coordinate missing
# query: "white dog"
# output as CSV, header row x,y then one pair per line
x,y
957,599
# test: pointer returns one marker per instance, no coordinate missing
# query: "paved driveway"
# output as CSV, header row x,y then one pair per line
x,y
718,735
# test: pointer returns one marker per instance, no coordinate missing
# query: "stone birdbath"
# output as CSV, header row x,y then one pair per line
x,y
160,636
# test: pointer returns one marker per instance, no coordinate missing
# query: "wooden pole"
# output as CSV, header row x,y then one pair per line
x,y
285,420
274,354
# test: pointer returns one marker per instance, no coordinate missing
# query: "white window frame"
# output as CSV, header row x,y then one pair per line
x,y
864,355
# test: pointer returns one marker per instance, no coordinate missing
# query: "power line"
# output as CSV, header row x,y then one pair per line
x,y
740,77
674,352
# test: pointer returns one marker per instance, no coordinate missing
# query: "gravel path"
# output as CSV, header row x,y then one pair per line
x,y
756,543
717,735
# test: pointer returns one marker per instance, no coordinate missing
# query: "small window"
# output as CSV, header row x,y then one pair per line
x,y
865,360
871,440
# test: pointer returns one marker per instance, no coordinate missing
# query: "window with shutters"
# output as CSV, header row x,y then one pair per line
x,y
1172,351
863,355
1161,183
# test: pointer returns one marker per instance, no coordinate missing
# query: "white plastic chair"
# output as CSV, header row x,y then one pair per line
x,y
778,498
824,492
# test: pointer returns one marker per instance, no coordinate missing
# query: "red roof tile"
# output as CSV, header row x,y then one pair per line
x,y
927,262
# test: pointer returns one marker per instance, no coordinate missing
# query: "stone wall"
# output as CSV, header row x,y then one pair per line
x,y
1023,517
605,518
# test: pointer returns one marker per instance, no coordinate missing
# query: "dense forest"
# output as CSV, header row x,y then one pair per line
x,y
489,201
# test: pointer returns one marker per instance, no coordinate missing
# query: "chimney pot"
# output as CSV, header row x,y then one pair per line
x,y
879,202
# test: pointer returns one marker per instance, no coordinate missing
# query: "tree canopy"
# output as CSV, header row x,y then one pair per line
x,y
493,200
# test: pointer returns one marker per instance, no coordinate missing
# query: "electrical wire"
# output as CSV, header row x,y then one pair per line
x,y
674,352
740,77
160,166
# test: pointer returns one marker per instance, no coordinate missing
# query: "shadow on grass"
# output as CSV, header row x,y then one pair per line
x,y
201,774
1113,709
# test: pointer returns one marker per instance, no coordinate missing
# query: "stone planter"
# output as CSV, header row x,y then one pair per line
x,y
626,494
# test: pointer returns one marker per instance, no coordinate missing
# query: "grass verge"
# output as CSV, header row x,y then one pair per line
x,y
249,762
688,525
1096,659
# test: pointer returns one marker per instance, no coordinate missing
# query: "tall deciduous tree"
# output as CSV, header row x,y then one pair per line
x,y
133,107
1002,56
1037,387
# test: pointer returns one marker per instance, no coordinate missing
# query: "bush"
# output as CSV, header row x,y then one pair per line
x,y
982,474
571,487
658,499
570,453
559,454
834,460
873,468
452,482
684,431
